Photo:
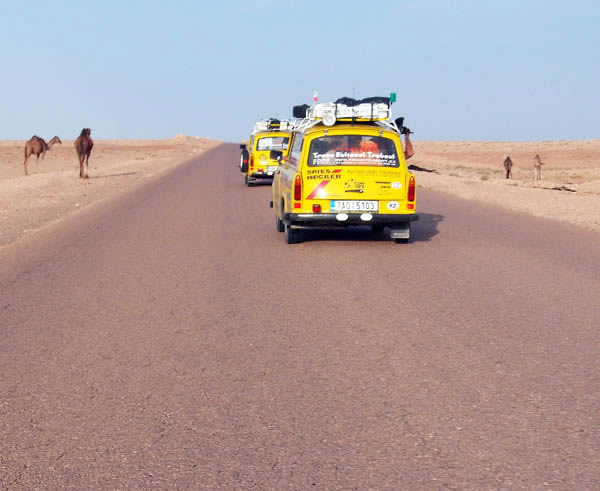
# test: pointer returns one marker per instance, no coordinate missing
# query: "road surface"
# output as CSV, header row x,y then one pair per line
x,y
172,340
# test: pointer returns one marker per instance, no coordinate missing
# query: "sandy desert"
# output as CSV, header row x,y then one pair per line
x,y
569,190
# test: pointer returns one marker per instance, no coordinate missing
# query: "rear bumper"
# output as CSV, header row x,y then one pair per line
x,y
329,220
261,175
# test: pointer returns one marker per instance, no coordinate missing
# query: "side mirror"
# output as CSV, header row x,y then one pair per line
x,y
242,146
276,155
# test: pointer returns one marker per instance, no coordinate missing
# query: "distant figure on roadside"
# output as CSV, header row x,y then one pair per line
x,y
36,146
508,167
83,146
537,165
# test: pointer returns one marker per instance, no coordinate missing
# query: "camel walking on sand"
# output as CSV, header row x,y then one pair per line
x,y
537,165
508,167
83,146
37,146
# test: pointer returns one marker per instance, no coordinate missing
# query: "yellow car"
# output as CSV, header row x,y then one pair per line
x,y
255,160
345,167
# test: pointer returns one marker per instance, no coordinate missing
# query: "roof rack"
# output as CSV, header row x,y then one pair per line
x,y
272,124
372,109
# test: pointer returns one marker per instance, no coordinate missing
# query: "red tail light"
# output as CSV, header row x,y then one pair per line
x,y
316,208
252,161
411,189
298,188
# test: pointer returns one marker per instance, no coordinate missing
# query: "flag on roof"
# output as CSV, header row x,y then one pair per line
x,y
315,96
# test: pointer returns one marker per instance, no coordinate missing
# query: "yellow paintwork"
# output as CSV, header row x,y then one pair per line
x,y
260,159
386,185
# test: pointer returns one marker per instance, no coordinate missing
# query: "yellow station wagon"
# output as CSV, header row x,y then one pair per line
x,y
345,167
255,160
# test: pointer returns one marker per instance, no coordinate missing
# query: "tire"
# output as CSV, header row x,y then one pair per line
x,y
292,236
279,224
401,241
244,156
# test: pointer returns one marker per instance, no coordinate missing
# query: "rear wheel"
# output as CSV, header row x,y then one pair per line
x,y
401,241
292,236
244,161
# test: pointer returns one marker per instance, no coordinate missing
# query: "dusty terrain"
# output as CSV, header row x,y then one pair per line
x,y
54,190
569,189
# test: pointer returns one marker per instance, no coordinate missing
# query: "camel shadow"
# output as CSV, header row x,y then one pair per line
x,y
113,175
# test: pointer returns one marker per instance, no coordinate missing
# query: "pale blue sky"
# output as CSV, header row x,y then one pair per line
x,y
463,70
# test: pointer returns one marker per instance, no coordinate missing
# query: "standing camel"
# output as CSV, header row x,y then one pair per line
x,y
508,167
37,146
83,146
537,165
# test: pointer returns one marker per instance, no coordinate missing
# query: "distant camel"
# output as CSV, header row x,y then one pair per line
x,y
508,167
83,146
537,164
36,146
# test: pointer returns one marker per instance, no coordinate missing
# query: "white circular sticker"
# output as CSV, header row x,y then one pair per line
x,y
396,185
393,205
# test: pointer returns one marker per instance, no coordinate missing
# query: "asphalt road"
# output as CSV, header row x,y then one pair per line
x,y
173,340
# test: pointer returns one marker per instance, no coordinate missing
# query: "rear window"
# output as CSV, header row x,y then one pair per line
x,y
352,150
273,143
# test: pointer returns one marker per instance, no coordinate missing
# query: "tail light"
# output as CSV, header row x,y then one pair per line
x,y
316,208
252,161
298,188
411,189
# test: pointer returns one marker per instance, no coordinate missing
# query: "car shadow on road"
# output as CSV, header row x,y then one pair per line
x,y
422,230
260,183
426,227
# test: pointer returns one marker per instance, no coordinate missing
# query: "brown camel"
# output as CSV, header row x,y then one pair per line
x,y
37,146
83,146
508,167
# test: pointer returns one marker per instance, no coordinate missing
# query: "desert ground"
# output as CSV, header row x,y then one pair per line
x,y
53,189
569,190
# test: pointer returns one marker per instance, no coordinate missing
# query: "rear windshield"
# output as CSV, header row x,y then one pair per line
x,y
340,150
273,143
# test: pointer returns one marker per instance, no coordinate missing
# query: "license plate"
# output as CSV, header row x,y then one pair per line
x,y
272,168
354,205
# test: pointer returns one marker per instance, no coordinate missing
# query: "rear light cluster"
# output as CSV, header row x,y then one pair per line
x,y
298,191
316,208
411,189
251,161
298,188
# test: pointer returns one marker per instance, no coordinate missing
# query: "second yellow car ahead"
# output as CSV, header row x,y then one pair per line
x,y
255,160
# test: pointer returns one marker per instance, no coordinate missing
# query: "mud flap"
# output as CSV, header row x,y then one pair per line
x,y
400,231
